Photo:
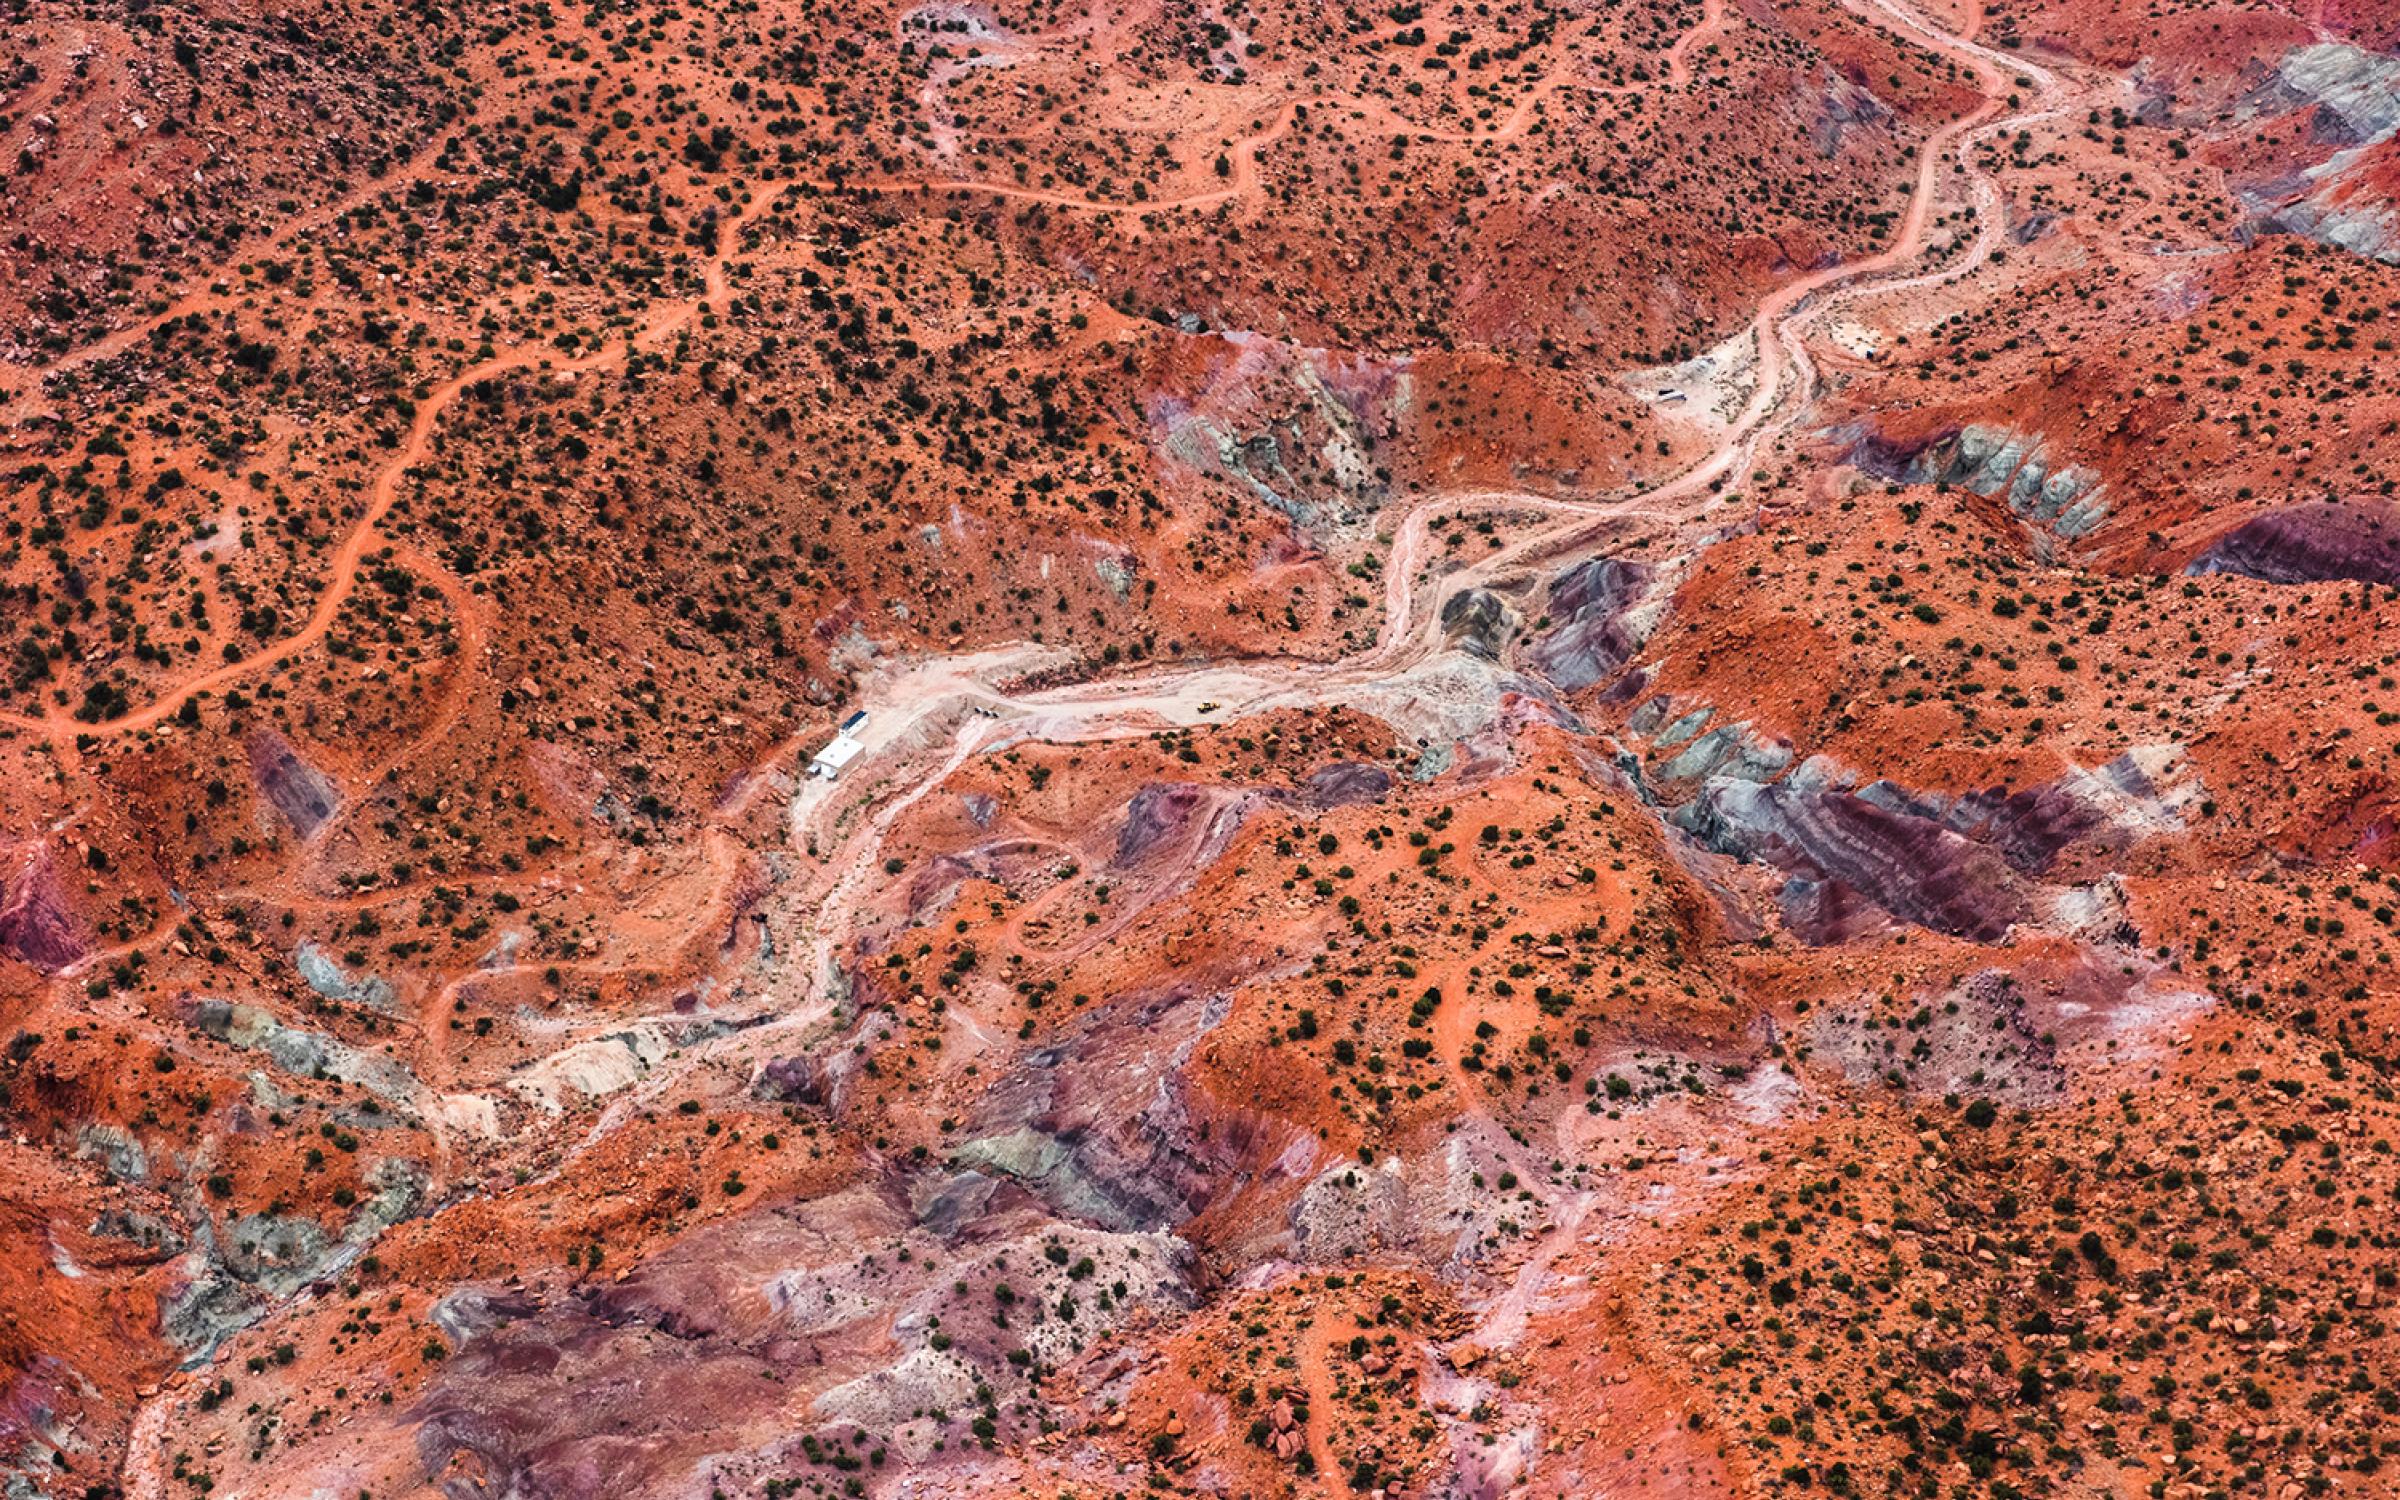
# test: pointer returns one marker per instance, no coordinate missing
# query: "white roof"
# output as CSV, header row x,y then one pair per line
x,y
841,752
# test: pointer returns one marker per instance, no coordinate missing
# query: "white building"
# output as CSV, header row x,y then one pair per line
x,y
831,760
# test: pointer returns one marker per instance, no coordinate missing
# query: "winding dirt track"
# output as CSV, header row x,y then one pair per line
x,y
385,490
908,709
906,705
1785,381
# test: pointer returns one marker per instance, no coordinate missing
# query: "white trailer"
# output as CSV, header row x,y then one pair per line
x,y
833,758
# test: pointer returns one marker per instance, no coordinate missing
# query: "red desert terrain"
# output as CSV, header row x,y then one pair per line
x,y
1635,749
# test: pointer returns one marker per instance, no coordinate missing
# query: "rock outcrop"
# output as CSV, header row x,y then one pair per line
x,y
2067,499
1819,832
1969,865
1345,783
1600,614
2141,794
1479,622
35,928
2314,542
1298,430
2350,198
325,974
303,796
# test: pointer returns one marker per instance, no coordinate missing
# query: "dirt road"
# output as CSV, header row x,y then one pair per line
x,y
909,708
